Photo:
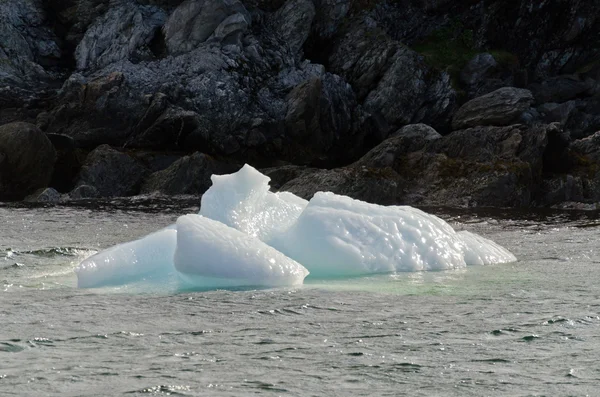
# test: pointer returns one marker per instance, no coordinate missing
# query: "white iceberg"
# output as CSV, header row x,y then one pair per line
x,y
148,256
243,201
246,235
211,254
338,236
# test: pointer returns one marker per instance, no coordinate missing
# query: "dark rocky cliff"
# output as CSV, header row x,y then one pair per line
x,y
430,102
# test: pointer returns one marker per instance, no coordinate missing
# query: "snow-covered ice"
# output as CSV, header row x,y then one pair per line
x,y
246,235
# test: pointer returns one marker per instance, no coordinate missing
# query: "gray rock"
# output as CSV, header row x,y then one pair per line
x,y
500,107
330,14
554,112
559,190
371,185
26,40
321,120
194,21
282,174
97,110
111,173
44,195
292,23
26,161
478,69
168,131
560,89
188,175
415,131
123,32
395,82
230,31
482,166
391,151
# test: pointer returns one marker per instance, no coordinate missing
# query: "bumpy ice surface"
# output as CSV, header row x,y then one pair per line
x,y
339,236
210,253
246,235
243,201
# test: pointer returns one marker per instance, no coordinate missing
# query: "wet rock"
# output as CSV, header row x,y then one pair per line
x,y
44,195
111,173
188,175
26,160
124,32
500,107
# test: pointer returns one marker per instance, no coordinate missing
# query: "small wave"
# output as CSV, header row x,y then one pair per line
x,y
56,251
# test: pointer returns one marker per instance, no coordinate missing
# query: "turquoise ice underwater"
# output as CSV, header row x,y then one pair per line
x,y
247,236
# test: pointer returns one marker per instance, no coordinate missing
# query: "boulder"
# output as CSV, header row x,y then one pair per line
x,y
418,131
27,160
111,173
188,175
498,108
44,195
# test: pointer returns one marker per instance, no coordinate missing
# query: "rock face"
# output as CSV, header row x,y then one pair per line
x,y
111,173
26,160
358,96
501,107
189,175
123,32
395,82
491,166
194,21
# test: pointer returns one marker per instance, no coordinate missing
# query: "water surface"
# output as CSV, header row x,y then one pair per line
x,y
526,329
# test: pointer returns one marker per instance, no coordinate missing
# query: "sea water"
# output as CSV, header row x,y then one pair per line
x,y
530,328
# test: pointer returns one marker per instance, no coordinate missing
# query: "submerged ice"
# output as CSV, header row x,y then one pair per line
x,y
246,235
